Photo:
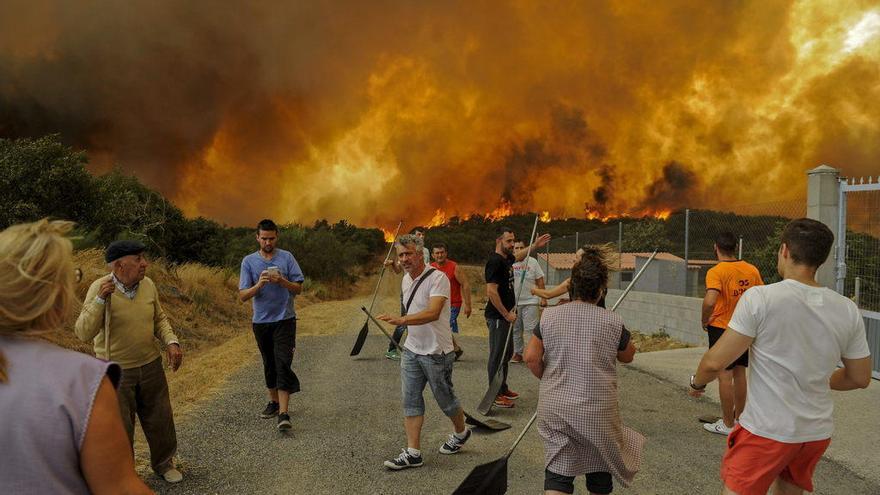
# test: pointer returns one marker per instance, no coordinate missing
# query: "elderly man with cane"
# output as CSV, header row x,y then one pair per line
x,y
122,316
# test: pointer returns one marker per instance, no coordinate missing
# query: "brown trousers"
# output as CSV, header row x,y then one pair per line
x,y
144,391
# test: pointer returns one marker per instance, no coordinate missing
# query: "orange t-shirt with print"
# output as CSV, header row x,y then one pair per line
x,y
731,279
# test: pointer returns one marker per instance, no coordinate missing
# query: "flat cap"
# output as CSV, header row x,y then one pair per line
x,y
118,249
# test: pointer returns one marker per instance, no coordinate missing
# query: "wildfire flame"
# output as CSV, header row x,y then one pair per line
x,y
545,217
594,214
389,235
438,219
436,110
503,210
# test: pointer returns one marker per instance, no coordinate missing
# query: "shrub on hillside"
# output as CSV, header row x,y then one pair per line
x,y
44,178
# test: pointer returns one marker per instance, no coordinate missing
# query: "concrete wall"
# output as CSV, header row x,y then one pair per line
x,y
649,312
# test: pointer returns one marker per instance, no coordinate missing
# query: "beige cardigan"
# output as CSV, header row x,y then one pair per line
x,y
131,325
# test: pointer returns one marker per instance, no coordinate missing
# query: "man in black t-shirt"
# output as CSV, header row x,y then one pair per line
x,y
501,308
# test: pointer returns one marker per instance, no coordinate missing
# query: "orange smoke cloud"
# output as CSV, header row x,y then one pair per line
x,y
376,112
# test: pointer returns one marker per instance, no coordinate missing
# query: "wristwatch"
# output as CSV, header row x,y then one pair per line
x,y
695,386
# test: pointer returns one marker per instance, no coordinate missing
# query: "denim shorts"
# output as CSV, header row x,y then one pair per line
x,y
417,370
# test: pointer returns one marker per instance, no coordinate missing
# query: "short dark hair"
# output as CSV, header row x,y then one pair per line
x,y
501,230
439,245
809,241
417,229
726,242
522,241
266,224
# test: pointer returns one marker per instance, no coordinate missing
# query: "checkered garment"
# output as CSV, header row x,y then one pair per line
x,y
578,414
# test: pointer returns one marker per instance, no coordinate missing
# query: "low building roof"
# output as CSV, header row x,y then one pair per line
x,y
564,261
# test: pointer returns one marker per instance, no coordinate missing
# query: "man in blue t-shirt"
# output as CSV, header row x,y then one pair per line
x,y
272,278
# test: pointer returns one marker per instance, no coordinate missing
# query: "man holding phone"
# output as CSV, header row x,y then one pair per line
x,y
272,278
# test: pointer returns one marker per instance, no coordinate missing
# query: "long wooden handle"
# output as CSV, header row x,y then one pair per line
x,y
382,272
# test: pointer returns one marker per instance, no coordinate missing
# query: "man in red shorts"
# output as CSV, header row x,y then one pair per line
x,y
796,332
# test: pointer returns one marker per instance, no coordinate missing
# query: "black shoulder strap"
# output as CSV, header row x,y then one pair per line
x,y
416,289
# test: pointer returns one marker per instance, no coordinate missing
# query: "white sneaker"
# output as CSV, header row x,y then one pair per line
x,y
718,427
173,476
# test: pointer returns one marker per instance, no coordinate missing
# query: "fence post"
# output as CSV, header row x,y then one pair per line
x,y
740,256
619,253
687,229
857,296
576,244
824,204
547,266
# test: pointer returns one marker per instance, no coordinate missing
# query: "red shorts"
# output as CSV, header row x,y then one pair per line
x,y
751,463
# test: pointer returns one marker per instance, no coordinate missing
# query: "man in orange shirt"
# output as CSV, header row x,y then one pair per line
x,y
725,283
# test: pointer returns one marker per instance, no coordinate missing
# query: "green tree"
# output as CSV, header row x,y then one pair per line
x,y
43,178
645,236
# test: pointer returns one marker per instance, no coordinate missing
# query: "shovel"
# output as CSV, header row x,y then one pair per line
x,y
362,335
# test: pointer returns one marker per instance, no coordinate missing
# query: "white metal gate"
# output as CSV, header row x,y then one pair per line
x,y
858,254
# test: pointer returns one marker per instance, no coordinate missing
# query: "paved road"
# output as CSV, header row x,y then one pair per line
x,y
347,421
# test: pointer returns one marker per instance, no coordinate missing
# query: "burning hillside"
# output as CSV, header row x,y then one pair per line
x,y
374,112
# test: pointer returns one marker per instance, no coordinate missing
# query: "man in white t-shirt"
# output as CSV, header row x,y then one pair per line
x,y
527,305
428,355
796,332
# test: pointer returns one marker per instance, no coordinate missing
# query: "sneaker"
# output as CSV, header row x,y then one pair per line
x,y
510,395
393,355
284,422
718,427
453,444
172,476
403,461
516,358
504,402
271,410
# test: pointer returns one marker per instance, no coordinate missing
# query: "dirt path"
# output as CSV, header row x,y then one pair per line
x,y
347,421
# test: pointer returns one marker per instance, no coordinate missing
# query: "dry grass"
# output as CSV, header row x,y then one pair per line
x,y
655,342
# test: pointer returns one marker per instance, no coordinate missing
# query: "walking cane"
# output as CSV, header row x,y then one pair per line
x,y
491,478
362,335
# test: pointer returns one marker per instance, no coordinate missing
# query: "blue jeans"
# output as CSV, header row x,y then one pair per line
x,y
453,317
417,370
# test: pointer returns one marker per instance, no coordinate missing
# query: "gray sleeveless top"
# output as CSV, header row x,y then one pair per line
x,y
44,413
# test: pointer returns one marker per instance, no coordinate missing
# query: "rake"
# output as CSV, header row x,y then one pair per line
x,y
362,335
491,478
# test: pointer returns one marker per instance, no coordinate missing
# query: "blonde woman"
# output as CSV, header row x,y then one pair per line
x,y
61,430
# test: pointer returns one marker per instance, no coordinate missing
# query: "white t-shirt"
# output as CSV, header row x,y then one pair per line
x,y
801,333
434,337
533,272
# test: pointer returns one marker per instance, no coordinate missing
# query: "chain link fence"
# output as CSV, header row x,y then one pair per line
x,y
862,256
685,243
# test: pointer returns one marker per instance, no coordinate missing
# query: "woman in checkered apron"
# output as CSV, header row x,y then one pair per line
x,y
575,357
